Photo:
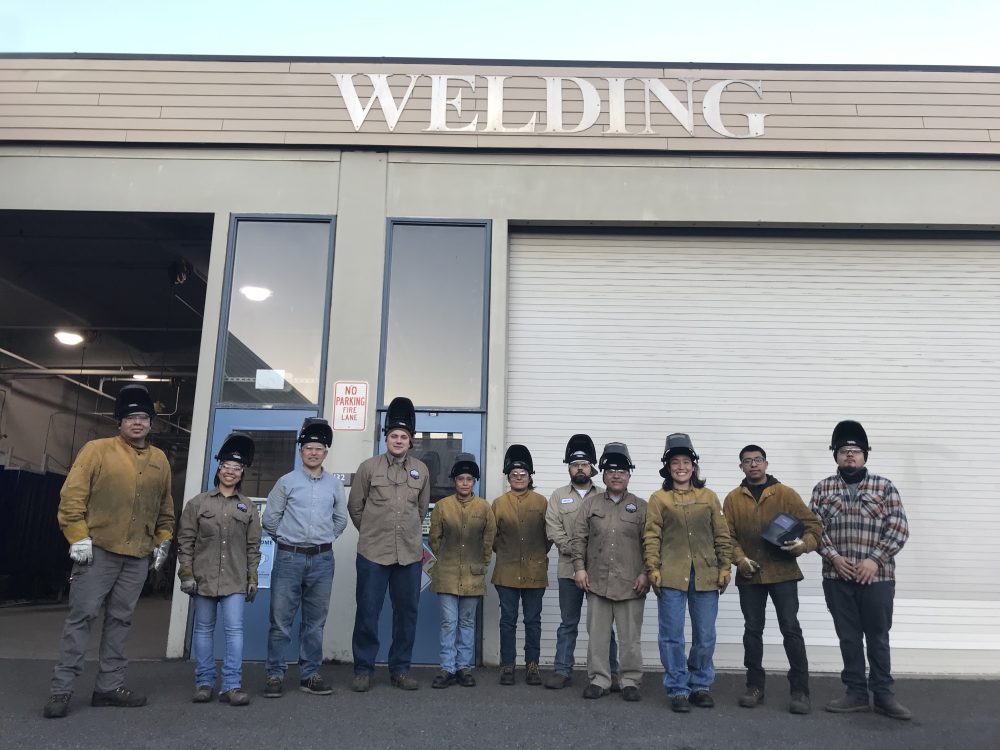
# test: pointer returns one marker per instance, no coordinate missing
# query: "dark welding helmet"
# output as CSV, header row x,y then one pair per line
x,y
783,528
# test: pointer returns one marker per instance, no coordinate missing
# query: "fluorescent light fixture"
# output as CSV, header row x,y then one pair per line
x,y
255,293
69,338
140,376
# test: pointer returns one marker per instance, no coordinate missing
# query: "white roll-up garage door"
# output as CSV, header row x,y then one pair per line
x,y
772,340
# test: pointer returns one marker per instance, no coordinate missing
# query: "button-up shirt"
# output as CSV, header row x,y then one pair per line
x,y
388,502
521,545
304,510
560,521
607,543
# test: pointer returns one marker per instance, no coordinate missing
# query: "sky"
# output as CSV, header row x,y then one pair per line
x,y
832,32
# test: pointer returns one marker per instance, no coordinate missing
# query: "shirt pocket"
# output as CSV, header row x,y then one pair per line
x,y
208,524
477,569
871,506
832,509
381,490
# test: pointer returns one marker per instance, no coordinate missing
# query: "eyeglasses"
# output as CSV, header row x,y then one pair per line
x,y
518,475
616,472
752,461
231,467
580,465
847,452
138,418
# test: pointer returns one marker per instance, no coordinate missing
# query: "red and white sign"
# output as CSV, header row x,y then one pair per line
x,y
350,405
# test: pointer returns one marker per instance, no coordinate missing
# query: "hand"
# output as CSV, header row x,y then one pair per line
x,y
641,585
747,567
189,586
251,592
724,578
582,580
654,578
160,554
865,571
794,546
843,567
82,551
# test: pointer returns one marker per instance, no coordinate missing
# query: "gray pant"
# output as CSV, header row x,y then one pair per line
x,y
625,617
115,582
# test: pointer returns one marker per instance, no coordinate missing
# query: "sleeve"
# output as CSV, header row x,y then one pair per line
x,y
581,536
339,509
277,498
652,535
75,494
554,530
826,549
729,511
165,517
424,498
187,532
489,535
253,543
436,533
895,528
722,538
496,522
812,536
359,494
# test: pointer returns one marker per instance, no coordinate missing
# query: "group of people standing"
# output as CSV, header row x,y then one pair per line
x,y
613,548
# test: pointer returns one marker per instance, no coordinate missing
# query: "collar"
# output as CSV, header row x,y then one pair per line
x,y
768,482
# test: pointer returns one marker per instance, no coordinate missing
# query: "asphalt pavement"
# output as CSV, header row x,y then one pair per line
x,y
948,713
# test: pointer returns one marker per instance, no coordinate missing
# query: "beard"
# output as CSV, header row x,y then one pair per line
x,y
580,479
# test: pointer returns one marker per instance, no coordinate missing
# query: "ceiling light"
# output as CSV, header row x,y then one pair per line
x,y
69,338
140,376
255,293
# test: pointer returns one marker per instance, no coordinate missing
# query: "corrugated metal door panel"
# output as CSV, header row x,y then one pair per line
x,y
772,341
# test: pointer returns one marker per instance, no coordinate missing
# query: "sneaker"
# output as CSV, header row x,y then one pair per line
x,y
314,684
464,678
887,705
702,699
616,684
443,679
754,696
848,704
595,691
57,705
202,694
235,697
507,674
631,694
361,683
531,674
800,704
274,686
680,704
558,681
404,682
119,698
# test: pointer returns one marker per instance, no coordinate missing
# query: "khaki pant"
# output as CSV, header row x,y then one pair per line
x,y
626,618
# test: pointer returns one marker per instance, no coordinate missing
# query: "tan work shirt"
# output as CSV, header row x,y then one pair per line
x,y
218,543
388,502
560,522
119,496
607,543
521,545
461,536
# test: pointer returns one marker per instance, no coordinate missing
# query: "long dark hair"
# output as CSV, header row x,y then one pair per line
x,y
696,481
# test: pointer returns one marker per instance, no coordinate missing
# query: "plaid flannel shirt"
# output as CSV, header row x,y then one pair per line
x,y
873,525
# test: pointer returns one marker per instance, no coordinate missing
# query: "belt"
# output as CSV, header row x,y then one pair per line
x,y
315,550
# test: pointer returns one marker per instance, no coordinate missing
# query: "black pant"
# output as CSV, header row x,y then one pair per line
x,y
863,611
753,602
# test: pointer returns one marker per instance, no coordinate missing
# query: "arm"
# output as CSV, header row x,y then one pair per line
x,y
339,510
554,530
722,539
812,536
75,495
581,536
826,549
187,532
359,494
424,498
895,528
275,510
729,510
489,535
652,536
165,517
436,533
253,543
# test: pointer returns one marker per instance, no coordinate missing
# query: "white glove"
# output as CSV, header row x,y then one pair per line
x,y
747,567
82,551
160,554
189,587
794,546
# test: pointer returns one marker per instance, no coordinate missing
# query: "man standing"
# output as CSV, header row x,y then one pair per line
x,y
864,529
608,564
388,501
560,522
766,570
115,508
305,514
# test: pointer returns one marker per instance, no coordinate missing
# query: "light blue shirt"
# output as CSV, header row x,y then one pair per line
x,y
304,510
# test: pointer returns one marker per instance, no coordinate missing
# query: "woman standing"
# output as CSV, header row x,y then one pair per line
x,y
521,573
218,549
687,553
461,536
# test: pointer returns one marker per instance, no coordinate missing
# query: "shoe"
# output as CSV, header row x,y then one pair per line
x,y
680,704
595,691
274,686
315,685
631,694
404,682
887,705
507,674
799,704
616,685
443,679
235,697
848,704
57,705
202,694
531,674
754,696
361,683
464,678
119,698
702,699
558,681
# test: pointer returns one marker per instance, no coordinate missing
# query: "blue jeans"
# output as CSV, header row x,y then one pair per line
x,y
458,631
570,604
531,602
403,583
202,639
696,672
304,581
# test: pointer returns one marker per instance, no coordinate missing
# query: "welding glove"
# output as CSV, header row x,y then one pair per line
x,y
82,551
160,554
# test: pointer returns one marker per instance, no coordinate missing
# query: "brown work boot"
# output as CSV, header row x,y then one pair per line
x,y
404,682
558,681
531,674
507,674
235,697
361,683
202,694
754,696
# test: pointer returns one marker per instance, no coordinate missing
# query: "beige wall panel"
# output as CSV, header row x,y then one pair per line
x,y
169,76
958,110
374,139
127,123
890,85
932,98
839,147
18,86
60,134
194,100
36,98
326,112
963,122
137,64
56,110
203,136
775,121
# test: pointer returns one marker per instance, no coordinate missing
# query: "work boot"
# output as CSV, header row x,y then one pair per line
x,y
507,674
680,704
702,699
274,686
558,681
314,684
443,679
594,691
464,678
848,704
235,697
800,704
57,705
404,682
202,694
754,696
119,698
887,705
631,694
531,674
361,683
